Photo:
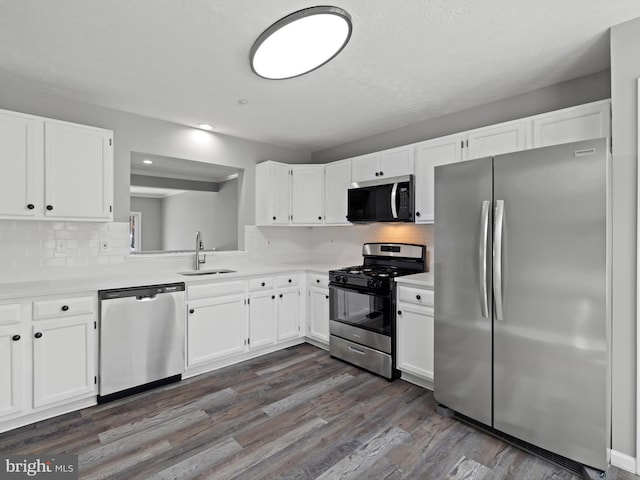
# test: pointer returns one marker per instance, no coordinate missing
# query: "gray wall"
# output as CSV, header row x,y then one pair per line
x,y
151,221
625,69
143,134
567,94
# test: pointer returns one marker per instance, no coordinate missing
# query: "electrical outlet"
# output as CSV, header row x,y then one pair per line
x,y
61,245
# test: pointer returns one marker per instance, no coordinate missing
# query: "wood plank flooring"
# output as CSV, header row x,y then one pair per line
x,y
293,414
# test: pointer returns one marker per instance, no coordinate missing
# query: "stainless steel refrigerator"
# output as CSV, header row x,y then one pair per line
x,y
522,296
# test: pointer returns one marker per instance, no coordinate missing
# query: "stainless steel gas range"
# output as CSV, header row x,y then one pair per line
x,y
362,304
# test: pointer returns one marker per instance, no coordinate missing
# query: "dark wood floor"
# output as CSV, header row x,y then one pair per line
x,y
293,414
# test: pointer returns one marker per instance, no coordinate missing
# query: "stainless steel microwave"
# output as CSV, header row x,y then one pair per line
x,y
382,200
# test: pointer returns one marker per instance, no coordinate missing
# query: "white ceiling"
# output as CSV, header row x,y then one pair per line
x,y
408,61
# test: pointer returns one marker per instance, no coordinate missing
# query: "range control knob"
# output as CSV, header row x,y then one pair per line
x,y
337,278
344,279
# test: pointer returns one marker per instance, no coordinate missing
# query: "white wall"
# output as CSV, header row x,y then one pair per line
x,y
150,221
625,69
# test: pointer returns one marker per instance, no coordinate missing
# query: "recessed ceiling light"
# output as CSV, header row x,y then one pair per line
x,y
205,126
300,42
243,101
148,162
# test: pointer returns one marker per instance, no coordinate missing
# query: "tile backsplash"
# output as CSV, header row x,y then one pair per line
x,y
49,250
30,250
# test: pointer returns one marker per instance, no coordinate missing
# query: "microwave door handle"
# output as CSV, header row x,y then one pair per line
x,y
394,191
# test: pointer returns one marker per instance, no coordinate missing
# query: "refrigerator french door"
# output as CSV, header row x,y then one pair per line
x,y
522,316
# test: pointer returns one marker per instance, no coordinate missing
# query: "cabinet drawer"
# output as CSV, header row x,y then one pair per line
x,y
317,280
63,307
214,289
417,296
10,313
287,280
264,283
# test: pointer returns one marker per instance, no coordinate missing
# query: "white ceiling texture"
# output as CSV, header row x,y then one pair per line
x,y
187,61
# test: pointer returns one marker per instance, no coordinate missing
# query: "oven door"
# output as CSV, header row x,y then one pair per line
x,y
371,311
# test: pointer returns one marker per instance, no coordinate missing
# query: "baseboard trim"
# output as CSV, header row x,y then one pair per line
x,y
623,461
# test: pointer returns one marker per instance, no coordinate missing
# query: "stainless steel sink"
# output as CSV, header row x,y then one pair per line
x,y
207,272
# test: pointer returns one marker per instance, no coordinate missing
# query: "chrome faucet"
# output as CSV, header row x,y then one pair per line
x,y
199,247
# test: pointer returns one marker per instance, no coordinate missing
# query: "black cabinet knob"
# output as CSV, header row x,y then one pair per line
x,y
381,173
377,174
191,310
317,281
64,308
274,218
327,297
319,218
418,297
38,334
31,206
417,214
280,295
262,284
273,297
289,280
49,207
15,338
399,312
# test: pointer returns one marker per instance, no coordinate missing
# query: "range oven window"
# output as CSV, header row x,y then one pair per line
x,y
371,311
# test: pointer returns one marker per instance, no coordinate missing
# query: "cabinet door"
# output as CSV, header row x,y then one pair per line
x,y
337,180
572,124
280,189
216,328
505,138
288,314
78,172
306,194
365,167
319,314
396,161
429,155
262,319
12,373
415,340
63,359
21,158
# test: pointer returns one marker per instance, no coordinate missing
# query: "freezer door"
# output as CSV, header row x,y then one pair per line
x,y
550,344
462,273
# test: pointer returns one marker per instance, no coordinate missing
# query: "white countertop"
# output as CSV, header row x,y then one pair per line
x,y
126,279
424,280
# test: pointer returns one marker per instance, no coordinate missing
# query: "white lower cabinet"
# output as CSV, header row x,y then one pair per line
x,y
414,328
216,328
318,307
262,318
47,357
288,313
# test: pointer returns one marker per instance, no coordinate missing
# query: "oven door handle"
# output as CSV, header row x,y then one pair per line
x,y
358,290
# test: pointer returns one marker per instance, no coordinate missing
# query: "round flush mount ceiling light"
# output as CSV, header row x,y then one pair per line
x,y
204,126
300,42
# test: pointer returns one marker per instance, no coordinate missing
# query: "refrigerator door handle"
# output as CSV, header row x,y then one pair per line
x,y
497,258
394,192
482,257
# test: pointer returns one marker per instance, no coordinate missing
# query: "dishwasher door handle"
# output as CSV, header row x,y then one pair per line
x,y
146,298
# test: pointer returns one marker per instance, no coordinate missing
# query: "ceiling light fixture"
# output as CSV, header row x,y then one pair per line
x,y
204,126
301,42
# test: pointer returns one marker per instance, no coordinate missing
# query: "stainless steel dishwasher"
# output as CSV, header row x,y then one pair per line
x,y
142,331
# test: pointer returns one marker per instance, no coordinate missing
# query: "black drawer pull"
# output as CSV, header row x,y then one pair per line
x,y
15,338
280,295
273,297
64,308
192,311
417,214
418,297
399,312
31,206
327,297
289,280
317,281
38,334
262,284
49,207
274,218
381,173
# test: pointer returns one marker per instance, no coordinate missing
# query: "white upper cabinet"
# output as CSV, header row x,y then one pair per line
x,y
337,179
495,140
573,124
388,163
273,193
53,169
21,179
306,194
78,164
430,154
